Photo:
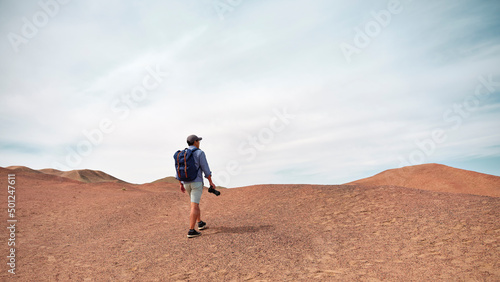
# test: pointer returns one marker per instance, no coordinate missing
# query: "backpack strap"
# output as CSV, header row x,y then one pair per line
x,y
178,170
185,163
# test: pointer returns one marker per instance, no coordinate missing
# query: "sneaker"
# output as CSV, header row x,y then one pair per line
x,y
202,225
193,233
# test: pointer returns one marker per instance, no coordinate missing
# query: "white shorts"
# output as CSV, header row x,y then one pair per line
x,y
194,190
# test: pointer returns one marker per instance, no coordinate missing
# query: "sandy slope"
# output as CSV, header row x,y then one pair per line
x,y
437,177
112,231
83,175
168,179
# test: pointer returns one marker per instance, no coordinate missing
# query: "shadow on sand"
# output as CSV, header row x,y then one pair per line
x,y
239,229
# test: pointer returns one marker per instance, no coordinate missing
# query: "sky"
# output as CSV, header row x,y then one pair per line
x,y
316,92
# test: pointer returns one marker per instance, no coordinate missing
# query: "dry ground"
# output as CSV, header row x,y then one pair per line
x,y
69,230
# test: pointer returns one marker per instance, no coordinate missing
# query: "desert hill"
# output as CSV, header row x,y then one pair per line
x,y
19,168
168,179
5,171
83,175
90,176
437,177
70,230
51,171
35,176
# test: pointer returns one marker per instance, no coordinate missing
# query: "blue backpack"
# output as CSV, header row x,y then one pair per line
x,y
185,165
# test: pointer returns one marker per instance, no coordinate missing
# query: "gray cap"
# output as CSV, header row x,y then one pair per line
x,y
192,138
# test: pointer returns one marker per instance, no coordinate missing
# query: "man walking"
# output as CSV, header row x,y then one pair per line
x,y
195,187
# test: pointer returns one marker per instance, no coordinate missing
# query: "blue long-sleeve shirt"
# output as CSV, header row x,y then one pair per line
x,y
200,161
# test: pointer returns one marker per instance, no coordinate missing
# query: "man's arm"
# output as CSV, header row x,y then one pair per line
x,y
205,168
183,190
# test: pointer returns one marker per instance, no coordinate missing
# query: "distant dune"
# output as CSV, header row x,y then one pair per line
x,y
83,175
90,176
51,171
168,179
437,177
5,170
35,176
22,168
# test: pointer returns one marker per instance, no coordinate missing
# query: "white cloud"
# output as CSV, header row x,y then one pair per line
x,y
226,77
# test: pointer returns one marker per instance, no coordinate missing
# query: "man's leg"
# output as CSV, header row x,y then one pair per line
x,y
195,215
198,219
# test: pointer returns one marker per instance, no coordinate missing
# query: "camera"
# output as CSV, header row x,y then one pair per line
x,y
212,190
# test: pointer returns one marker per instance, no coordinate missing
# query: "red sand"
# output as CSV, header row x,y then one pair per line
x,y
436,177
70,230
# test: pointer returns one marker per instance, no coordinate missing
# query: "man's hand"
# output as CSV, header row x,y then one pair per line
x,y
210,181
183,190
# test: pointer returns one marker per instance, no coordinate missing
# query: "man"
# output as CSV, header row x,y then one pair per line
x,y
195,187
